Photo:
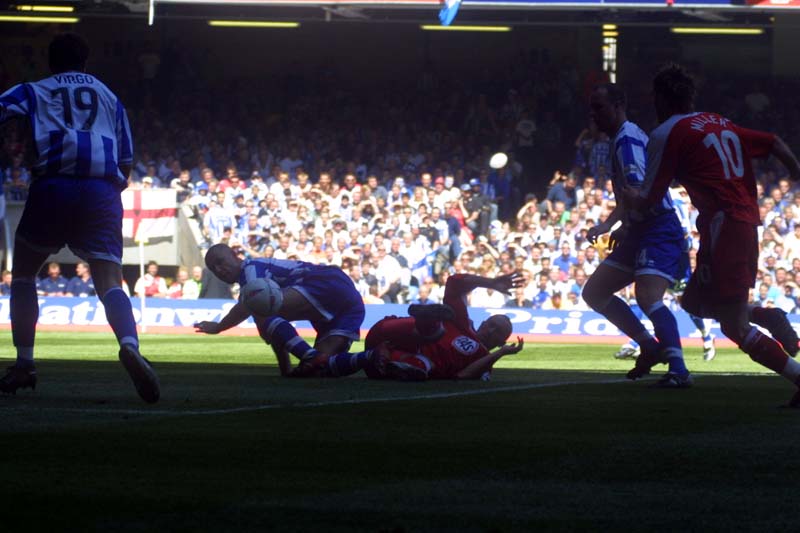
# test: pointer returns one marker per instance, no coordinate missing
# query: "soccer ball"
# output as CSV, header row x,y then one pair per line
x,y
498,160
262,296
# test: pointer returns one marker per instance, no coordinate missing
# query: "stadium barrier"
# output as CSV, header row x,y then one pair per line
x,y
177,316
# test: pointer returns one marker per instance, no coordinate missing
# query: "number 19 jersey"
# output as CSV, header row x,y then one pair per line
x,y
79,126
712,158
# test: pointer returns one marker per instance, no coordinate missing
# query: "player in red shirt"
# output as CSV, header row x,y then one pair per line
x,y
461,351
711,157
436,342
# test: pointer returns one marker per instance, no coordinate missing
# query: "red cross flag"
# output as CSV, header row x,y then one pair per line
x,y
149,214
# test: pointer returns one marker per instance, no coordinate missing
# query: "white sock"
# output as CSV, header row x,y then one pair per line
x,y
25,355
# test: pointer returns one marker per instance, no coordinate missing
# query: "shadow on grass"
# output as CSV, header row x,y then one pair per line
x,y
542,450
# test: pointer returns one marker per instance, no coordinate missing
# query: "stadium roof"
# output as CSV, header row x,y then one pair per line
x,y
516,12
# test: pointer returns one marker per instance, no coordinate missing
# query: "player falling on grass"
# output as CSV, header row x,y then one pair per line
x,y
323,295
712,158
83,157
646,248
436,342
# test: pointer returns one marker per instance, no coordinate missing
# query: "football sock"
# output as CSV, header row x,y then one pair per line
x,y
24,314
280,333
669,337
767,352
119,314
702,326
621,315
344,364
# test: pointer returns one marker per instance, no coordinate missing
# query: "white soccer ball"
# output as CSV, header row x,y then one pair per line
x,y
262,296
498,160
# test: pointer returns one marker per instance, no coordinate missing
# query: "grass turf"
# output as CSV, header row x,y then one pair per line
x,y
556,441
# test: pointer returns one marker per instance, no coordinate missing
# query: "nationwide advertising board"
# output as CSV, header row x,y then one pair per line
x,y
178,316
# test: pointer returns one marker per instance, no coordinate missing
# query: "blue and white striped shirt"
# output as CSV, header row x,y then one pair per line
x,y
79,126
284,272
630,158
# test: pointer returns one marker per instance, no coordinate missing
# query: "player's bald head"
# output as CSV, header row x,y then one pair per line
x,y
503,324
607,107
218,252
224,263
494,331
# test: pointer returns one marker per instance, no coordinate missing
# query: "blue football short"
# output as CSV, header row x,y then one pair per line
x,y
655,247
82,213
334,295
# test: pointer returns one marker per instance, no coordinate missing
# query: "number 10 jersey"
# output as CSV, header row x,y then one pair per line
x,y
80,128
712,158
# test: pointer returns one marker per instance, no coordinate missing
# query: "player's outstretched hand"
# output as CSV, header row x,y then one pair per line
x,y
507,282
212,328
513,347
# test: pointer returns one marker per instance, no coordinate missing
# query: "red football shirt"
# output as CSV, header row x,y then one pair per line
x,y
459,346
712,158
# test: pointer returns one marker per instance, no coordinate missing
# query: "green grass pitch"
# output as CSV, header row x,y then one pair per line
x,y
558,440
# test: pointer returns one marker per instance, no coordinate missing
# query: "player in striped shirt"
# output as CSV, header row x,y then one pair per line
x,y
321,294
647,249
83,150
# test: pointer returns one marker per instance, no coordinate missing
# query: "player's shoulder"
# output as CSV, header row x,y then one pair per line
x,y
632,132
675,123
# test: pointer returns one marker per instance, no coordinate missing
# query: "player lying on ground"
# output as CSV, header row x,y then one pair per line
x,y
711,157
436,342
647,247
321,294
84,148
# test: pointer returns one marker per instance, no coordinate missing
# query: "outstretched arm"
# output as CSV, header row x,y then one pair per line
x,y
235,316
478,368
782,151
459,285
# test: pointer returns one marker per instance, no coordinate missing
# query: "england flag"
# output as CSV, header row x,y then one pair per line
x,y
149,214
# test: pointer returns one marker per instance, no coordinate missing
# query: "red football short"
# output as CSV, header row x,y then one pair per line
x,y
727,263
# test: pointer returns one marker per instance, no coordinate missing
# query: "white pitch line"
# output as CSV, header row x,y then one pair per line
x,y
266,407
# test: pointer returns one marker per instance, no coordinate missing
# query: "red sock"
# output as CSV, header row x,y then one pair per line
x,y
765,351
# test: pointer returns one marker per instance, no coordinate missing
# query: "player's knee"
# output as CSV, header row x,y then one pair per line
x,y
649,307
596,297
734,331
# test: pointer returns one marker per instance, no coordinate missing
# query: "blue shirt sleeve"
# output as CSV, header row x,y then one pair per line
x,y
631,159
15,102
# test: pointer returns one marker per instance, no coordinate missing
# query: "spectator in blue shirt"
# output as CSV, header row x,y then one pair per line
x,y
563,191
566,259
542,294
81,285
54,284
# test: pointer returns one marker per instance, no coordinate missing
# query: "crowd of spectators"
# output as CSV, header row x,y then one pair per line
x,y
397,190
